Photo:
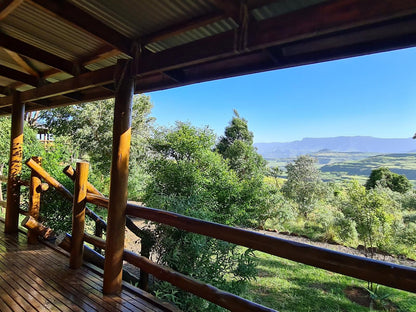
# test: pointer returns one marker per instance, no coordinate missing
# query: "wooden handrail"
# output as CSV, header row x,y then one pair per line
x,y
146,236
94,240
385,273
206,291
59,187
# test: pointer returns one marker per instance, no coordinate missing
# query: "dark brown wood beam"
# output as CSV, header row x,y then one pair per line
x,y
86,22
181,28
199,21
22,63
5,90
18,75
102,54
7,7
40,55
330,16
229,7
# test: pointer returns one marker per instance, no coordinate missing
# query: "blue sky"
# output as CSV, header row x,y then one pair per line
x,y
372,95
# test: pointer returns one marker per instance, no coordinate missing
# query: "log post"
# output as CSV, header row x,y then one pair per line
x,y
35,189
15,165
113,265
78,215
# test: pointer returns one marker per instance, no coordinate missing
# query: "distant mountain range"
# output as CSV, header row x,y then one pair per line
x,y
361,144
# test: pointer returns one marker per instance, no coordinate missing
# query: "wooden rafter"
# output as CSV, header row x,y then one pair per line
x,y
7,7
18,75
86,22
102,54
229,7
5,90
40,55
181,28
20,61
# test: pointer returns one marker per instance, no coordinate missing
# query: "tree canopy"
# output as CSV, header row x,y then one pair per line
x,y
384,177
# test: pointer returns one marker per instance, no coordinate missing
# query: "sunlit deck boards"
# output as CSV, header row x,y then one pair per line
x,y
37,278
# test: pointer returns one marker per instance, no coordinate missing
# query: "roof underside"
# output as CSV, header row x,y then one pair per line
x,y
57,53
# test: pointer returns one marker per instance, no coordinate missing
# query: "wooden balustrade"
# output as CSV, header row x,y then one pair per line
x,y
146,236
78,215
37,229
384,273
59,187
35,190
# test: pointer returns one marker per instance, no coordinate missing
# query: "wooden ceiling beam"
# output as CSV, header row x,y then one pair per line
x,y
22,63
18,76
5,90
229,7
40,55
181,28
102,54
7,7
327,17
88,23
83,81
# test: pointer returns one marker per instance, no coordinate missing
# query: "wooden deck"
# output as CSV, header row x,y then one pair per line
x,y
37,278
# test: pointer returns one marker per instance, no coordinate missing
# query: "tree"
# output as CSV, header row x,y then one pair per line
x,y
87,128
237,147
374,212
189,178
303,183
384,177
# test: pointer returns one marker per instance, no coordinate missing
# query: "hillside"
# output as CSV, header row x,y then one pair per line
x,y
399,163
345,144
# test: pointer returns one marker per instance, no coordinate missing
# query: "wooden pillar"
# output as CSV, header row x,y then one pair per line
x,y
15,165
78,215
35,189
116,222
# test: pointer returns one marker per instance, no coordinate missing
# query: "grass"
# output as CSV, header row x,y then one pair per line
x,y
285,285
346,166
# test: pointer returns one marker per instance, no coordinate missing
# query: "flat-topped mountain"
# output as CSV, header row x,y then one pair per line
x,y
361,144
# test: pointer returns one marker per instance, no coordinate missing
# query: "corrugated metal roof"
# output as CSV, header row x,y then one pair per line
x,y
7,60
136,18
192,35
35,26
282,7
107,62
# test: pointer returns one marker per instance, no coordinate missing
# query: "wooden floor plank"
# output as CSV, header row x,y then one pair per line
x,y
38,278
43,295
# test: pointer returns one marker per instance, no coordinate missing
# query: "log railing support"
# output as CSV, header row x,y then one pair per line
x,y
78,215
15,165
35,189
113,265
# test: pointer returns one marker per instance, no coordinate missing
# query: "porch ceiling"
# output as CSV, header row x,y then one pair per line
x,y
64,52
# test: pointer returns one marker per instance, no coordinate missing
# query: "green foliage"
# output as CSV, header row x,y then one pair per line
x,y
237,147
374,212
87,128
303,183
385,178
189,178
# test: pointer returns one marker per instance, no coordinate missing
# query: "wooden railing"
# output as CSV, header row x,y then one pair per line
x,y
385,273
